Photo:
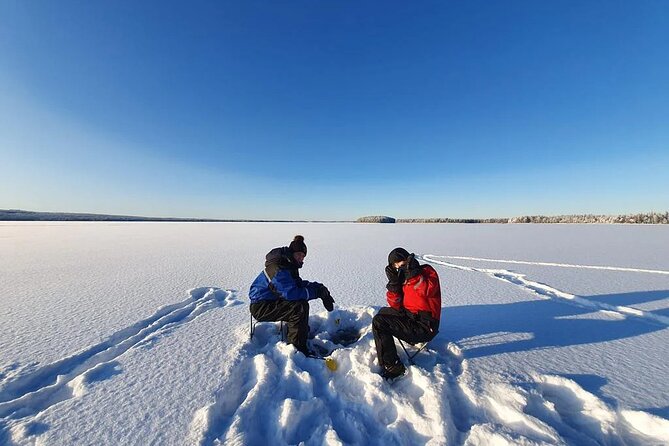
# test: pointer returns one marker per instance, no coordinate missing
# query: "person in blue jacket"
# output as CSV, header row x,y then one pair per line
x,y
279,294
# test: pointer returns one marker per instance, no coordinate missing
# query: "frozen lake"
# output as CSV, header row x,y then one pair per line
x,y
137,333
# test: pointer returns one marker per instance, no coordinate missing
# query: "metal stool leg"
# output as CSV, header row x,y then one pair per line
x,y
405,351
411,356
253,329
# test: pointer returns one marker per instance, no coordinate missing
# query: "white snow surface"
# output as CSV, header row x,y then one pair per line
x,y
138,334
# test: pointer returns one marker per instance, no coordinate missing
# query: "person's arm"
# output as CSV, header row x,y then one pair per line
x,y
394,295
394,300
292,289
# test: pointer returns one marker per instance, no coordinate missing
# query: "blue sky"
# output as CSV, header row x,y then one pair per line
x,y
333,110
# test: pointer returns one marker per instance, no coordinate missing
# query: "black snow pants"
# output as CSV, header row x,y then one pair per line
x,y
389,323
294,312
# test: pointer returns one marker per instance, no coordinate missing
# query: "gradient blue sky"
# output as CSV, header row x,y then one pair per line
x,y
334,109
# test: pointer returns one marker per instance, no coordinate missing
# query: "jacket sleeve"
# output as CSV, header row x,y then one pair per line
x,y
394,300
291,289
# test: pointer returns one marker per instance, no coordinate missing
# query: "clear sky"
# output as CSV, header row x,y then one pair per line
x,y
334,109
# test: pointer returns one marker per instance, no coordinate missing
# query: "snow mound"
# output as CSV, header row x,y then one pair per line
x,y
273,394
548,409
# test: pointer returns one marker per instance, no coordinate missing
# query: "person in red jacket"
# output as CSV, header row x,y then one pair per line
x,y
414,296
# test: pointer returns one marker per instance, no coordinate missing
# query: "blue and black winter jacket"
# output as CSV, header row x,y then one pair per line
x,y
281,279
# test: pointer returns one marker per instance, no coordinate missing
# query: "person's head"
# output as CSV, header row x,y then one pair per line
x,y
398,257
298,249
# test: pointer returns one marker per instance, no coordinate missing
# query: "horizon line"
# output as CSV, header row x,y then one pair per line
x,y
25,215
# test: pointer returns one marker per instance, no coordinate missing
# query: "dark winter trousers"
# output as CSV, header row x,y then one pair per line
x,y
294,312
389,323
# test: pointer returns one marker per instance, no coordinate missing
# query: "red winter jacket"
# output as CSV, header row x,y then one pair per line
x,y
421,292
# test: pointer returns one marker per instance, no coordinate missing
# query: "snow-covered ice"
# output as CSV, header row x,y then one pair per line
x,y
138,333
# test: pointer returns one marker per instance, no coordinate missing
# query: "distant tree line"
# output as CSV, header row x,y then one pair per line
x,y
21,215
643,218
452,220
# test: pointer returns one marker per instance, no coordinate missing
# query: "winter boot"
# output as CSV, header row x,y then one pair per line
x,y
392,371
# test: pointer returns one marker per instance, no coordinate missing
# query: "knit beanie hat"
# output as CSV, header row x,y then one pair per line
x,y
397,255
297,245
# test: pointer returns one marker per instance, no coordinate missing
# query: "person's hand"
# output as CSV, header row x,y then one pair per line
x,y
411,268
395,279
391,273
326,297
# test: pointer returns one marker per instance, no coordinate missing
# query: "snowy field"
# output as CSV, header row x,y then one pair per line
x,y
138,334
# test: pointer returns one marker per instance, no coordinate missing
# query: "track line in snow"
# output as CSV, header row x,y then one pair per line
x,y
560,265
29,394
547,292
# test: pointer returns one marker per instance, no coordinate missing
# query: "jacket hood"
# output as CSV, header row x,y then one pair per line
x,y
280,257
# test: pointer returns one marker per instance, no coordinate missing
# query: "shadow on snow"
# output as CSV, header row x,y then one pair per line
x,y
493,329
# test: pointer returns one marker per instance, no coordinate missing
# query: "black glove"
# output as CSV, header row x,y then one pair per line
x,y
411,268
395,279
324,295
